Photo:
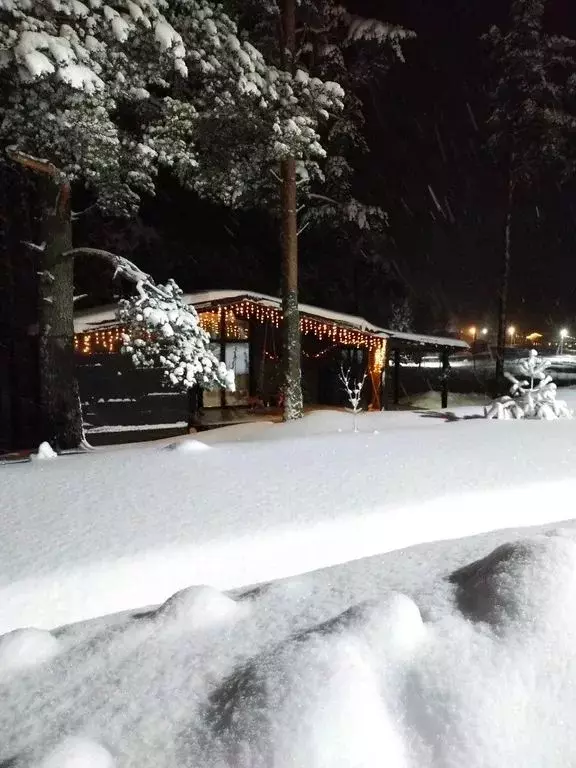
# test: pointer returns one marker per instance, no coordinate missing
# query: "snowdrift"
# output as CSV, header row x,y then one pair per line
x,y
476,667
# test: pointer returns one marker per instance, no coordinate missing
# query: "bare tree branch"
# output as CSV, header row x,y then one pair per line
x,y
37,164
302,228
75,215
123,267
34,246
314,196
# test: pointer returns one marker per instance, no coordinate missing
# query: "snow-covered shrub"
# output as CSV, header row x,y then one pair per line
x,y
530,399
161,331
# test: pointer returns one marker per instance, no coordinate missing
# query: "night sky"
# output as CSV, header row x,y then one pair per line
x,y
427,168
427,132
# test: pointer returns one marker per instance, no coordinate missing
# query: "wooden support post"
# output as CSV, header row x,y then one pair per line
x,y
386,379
194,399
222,332
254,363
396,376
445,368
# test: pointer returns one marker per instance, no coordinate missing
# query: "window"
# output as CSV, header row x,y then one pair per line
x,y
236,355
238,360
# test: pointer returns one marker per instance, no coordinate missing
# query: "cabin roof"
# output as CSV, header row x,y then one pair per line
x,y
100,318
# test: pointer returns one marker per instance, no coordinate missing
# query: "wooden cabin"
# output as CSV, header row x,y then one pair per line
x,y
245,329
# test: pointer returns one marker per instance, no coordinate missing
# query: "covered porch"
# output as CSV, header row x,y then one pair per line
x,y
245,330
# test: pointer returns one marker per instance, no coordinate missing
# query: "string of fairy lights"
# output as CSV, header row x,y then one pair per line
x,y
108,340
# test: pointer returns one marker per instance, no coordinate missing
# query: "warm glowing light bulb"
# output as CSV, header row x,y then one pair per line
x,y
564,333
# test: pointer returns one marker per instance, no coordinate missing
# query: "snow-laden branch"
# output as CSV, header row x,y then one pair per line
x,y
67,65
123,267
162,331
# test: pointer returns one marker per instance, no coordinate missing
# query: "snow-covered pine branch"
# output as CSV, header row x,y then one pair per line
x,y
69,69
162,331
366,29
401,316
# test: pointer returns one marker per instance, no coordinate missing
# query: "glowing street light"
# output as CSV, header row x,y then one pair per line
x,y
512,333
563,336
484,331
473,332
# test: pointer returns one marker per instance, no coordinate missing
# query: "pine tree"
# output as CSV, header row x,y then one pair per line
x,y
401,316
329,43
107,94
530,126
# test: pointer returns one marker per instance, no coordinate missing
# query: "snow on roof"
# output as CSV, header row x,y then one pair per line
x,y
419,338
95,319
217,297
104,317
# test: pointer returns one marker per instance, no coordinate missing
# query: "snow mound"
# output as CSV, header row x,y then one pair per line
x,y
188,446
529,582
198,607
45,451
319,699
74,752
392,627
23,648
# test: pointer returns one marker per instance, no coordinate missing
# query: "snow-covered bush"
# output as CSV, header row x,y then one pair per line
x,y
530,398
161,331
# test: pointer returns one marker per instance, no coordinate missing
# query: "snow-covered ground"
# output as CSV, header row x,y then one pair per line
x,y
419,657
95,534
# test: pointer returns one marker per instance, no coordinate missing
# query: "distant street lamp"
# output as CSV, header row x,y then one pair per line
x,y
563,336
512,333
484,331
473,331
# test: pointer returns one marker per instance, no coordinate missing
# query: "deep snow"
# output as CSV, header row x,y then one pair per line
x,y
89,535
414,659
447,654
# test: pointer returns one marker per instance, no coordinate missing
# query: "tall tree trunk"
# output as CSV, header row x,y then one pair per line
x,y
504,282
18,351
291,321
60,412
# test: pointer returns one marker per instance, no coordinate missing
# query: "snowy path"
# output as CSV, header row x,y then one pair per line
x,y
85,536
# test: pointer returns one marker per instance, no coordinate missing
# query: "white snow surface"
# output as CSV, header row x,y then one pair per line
x,y
95,534
446,654
25,647
419,657
78,753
